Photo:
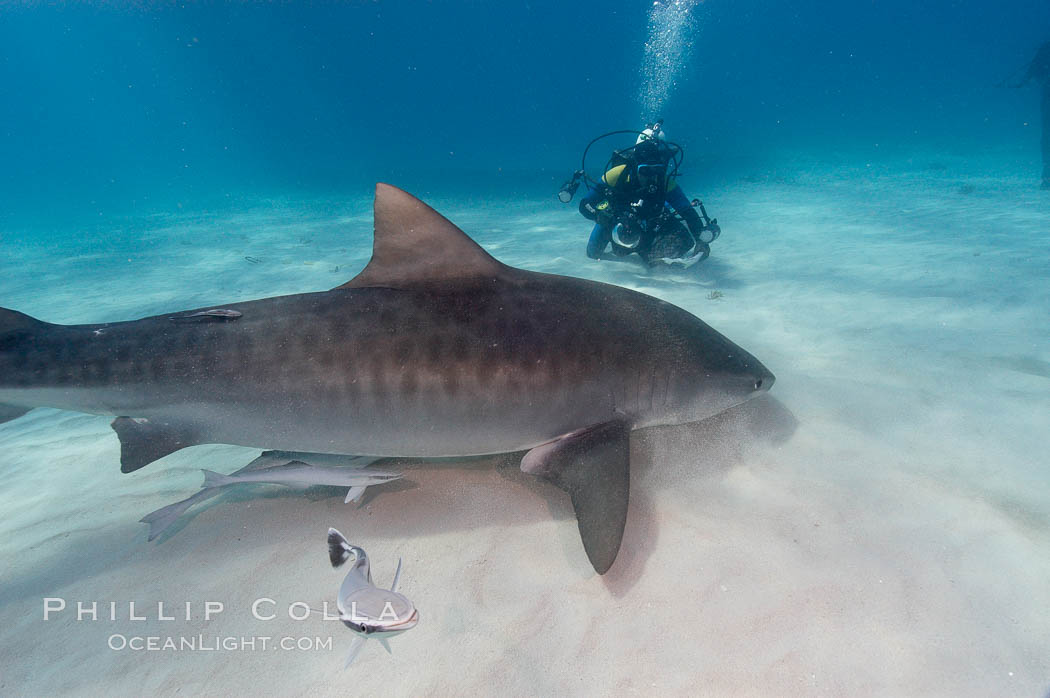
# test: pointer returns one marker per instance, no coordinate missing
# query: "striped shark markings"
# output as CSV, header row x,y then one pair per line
x,y
436,349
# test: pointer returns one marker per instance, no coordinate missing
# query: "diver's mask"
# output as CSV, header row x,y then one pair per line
x,y
651,177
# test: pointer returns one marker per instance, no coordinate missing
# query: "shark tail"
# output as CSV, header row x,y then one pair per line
x,y
339,551
17,332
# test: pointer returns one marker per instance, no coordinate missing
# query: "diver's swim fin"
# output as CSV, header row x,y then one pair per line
x,y
593,466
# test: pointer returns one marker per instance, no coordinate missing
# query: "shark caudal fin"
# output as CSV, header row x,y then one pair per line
x,y
18,333
593,466
339,551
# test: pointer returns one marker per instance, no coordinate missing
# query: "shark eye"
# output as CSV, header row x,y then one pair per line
x,y
758,384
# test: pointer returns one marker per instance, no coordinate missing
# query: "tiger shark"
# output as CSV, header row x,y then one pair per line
x,y
435,349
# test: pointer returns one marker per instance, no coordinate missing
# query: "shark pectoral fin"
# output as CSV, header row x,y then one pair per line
x,y
593,466
9,412
386,645
143,441
354,494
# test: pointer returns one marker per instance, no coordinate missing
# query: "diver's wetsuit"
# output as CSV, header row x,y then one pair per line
x,y
1039,70
617,187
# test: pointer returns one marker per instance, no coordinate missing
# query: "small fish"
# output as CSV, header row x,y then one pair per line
x,y
300,473
161,519
252,260
371,612
213,315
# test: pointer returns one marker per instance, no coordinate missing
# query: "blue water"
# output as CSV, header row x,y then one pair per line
x,y
879,524
109,111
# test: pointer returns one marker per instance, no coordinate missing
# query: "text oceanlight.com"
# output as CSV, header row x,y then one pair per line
x,y
216,643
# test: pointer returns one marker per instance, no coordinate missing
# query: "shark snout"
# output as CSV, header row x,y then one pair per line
x,y
764,380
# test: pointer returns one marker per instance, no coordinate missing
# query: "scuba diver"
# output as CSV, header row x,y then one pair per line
x,y
1039,69
639,208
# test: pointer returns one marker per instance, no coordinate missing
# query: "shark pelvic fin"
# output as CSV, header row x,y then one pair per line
x,y
593,466
414,244
143,441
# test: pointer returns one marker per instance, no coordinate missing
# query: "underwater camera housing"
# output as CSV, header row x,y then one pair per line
x,y
626,237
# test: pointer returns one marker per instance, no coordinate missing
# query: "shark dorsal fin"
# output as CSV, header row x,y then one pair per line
x,y
414,244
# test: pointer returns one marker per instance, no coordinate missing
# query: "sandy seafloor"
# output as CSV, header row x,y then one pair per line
x,y
879,524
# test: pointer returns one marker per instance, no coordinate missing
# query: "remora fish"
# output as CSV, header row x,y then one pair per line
x,y
434,349
299,473
371,612
161,519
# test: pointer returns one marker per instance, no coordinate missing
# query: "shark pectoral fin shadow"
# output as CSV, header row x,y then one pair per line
x,y
593,466
143,441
